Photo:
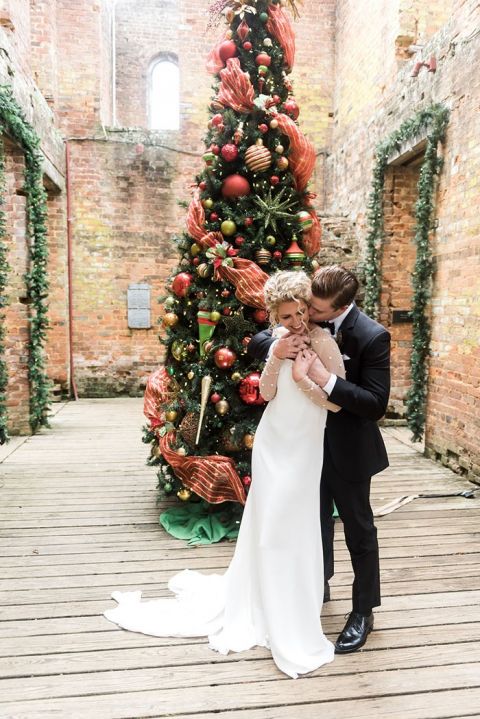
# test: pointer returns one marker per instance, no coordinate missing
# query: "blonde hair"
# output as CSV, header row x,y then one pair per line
x,y
288,286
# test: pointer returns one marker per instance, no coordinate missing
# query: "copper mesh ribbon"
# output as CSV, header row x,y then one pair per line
x,y
211,239
214,61
160,390
302,153
248,279
311,240
280,27
236,90
212,477
195,218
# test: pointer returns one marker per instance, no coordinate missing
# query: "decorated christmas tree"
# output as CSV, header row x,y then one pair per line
x,y
250,216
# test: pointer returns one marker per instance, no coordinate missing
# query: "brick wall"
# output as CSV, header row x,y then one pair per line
x,y
16,313
353,82
374,94
123,216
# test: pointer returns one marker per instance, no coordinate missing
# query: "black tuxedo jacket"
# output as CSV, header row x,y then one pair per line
x,y
352,437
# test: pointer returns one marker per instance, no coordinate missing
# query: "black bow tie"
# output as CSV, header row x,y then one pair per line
x,y
328,326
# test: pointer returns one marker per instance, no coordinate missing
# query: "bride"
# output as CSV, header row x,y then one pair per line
x,y
272,592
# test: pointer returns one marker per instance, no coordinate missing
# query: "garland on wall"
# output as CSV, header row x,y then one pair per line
x,y
14,124
434,120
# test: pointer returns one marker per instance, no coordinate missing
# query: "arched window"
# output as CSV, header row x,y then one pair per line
x,y
164,94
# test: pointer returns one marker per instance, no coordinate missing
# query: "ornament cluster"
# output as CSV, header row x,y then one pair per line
x,y
250,215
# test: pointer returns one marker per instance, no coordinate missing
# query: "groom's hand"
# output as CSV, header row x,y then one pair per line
x,y
290,345
319,373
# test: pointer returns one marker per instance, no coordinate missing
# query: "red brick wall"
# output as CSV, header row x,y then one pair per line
x,y
397,265
123,217
56,347
374,94
16,313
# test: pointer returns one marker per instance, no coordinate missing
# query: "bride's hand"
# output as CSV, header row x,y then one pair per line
x,y
302,364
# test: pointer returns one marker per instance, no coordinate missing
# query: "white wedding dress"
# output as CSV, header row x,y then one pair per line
x,y
271,594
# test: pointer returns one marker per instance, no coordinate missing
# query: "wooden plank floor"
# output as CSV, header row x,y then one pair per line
x,y
79,519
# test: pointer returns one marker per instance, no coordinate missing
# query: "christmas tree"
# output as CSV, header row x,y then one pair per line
x,y
250,216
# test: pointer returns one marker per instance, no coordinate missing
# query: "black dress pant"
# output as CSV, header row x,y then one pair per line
x,y
352,500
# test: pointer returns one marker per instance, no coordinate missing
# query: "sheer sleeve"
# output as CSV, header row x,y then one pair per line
x,y
269,377
327,350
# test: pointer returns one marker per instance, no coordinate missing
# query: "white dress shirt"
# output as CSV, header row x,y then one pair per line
x,y
328,387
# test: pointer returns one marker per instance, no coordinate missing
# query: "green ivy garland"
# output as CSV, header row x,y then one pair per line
x,y
14,124
434,120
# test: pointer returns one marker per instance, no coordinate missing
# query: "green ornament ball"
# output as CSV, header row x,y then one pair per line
x,y
167,487
263,17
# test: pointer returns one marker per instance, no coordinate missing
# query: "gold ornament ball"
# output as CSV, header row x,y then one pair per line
x,y
215,316
171,415
178,349
203,269
279,149
207,203
184,494
182,451
282,163
274,123
270,240
258,158
170,319
195,249
191,375
263,256
248,440
222,407
236,377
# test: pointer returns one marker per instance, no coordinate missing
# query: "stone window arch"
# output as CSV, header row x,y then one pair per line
x,y
164,93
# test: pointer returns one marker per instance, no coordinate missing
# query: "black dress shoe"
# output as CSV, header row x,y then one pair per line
x,y
355,633
326,592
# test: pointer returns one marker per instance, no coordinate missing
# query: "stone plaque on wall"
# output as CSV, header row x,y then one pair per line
x,y
138,303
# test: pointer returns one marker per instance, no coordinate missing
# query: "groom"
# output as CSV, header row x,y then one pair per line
x,y
353,446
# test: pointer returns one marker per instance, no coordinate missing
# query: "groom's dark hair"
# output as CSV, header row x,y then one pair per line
x,y
335,283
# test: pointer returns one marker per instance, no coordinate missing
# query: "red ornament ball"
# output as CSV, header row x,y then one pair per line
x,y
277,255
263,128
235,186
202,185
239,241
225,293
215,149
248,221
227,311
274,180
215,397
247,480
247,45
260,316
263,59
227,50
224,357
291,108
181,283
213,217
229,152
196,261
249,389
217,120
